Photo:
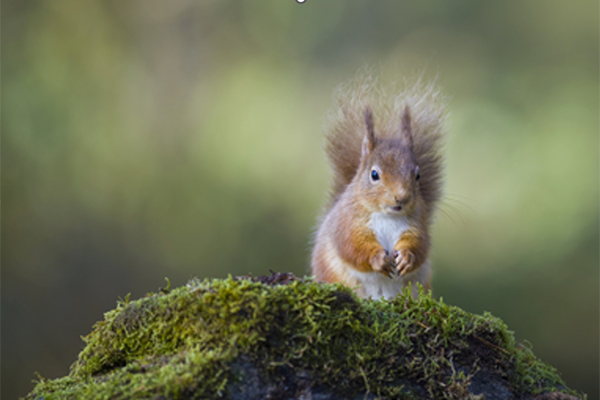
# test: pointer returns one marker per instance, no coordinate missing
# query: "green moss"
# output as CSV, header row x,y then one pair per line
x,y
184,341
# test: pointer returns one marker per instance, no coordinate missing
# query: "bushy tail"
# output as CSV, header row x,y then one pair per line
x,y
347,130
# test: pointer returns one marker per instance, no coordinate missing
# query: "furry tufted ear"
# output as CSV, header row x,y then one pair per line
x,y
406,129
369,140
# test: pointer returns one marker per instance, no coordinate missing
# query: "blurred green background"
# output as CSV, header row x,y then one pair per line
x,y
145,139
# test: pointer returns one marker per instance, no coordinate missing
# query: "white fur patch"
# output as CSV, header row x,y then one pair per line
x,y
388,228
376,285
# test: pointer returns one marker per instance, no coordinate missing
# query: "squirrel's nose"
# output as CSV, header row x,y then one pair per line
x,y
400,202
401,199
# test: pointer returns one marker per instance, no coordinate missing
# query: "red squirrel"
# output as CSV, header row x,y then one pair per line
x,y
386,155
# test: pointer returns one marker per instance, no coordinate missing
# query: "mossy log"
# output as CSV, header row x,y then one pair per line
x,y
280,337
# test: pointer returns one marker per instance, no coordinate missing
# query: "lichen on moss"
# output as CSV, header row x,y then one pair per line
x,y
182,343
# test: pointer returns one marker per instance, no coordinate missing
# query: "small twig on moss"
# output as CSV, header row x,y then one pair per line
x,y
491,344
422,324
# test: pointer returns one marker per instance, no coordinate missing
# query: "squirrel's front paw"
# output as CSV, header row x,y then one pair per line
x,y
382,263
405,261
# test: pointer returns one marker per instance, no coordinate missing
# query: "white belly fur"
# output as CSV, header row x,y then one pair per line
x,y
388,229
375,285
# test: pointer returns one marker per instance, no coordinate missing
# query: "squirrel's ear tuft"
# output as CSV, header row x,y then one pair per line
x,y
406,129
369,140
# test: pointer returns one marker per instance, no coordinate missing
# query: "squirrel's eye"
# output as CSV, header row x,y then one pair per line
x,y
417,174
374,175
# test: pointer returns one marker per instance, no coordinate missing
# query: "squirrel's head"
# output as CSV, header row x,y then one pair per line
x,y
388,176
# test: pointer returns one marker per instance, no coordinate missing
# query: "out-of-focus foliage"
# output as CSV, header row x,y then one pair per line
x,y
146,138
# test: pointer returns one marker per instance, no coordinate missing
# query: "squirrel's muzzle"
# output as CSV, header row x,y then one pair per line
x,y
400,202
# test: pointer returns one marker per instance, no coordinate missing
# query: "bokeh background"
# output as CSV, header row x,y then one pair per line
x,y
145,139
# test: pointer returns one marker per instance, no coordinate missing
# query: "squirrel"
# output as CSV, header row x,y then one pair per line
x,y
386,155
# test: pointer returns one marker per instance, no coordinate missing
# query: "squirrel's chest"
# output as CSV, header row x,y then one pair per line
x,y
388,228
